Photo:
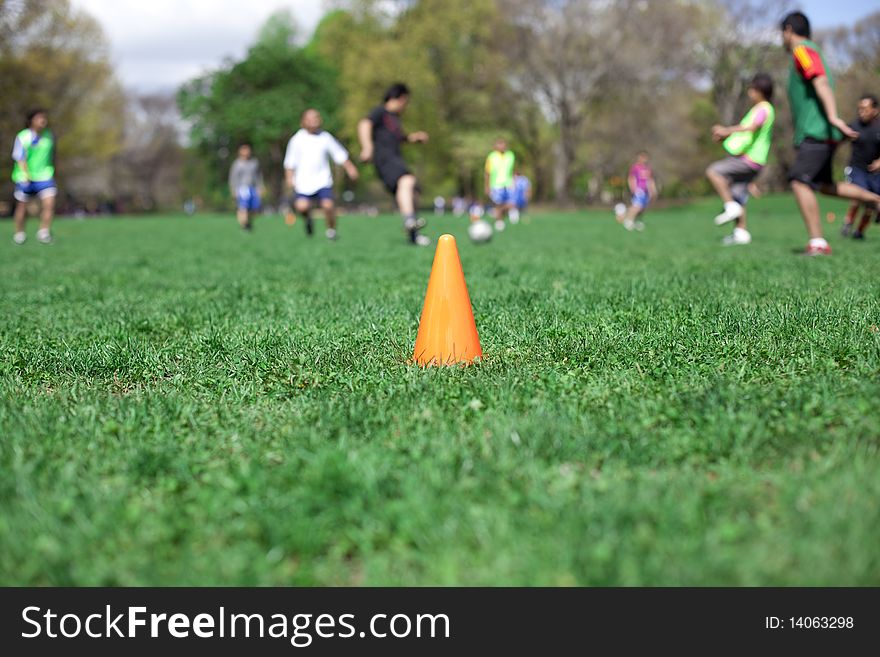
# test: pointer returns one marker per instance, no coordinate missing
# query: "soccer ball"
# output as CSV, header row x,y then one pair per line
x,y
480,231
620,209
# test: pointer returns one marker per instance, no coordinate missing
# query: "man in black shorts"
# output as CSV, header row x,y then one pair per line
x,y
381,135
864,165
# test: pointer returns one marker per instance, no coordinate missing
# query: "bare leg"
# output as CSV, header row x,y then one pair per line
x,y
47,213
720,184
329,209
406,191
851,212
809,207
867,216
242,216
20,214
741,222
852,192
633,213
304,207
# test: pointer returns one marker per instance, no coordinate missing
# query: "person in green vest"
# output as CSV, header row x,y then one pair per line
x,y
748,144
499,180
34,174
817,130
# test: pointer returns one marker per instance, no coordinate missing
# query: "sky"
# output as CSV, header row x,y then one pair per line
x,y
159,44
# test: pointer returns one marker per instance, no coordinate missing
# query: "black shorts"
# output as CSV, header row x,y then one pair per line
x,y
813,163
390,172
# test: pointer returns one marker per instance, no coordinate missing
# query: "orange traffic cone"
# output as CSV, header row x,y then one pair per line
x,y
447,332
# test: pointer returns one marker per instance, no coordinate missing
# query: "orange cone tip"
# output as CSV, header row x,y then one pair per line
x,y
447,331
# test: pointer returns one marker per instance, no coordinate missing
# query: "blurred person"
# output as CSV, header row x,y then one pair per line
x,y
476,211
381,134
245,181
864,164
498,181
307,170
643,190
33,173
459,205
748,144
817,131
522,194
439,205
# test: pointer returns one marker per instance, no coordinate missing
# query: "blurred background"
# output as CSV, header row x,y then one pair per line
x,y
149,100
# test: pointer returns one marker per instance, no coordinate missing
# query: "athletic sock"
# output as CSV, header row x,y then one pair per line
x,y
819,242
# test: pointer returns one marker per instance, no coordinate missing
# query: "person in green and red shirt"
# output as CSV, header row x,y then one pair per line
x,y
817,130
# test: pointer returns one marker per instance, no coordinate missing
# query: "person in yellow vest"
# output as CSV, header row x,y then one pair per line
x,y
34,174
748,144
499,180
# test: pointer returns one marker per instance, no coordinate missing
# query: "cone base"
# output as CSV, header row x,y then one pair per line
x,y
447,332
424,361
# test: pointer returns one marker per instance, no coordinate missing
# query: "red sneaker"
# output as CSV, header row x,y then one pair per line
x,y
812,250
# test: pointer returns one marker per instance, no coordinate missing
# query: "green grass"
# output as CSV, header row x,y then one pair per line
x,y
185,404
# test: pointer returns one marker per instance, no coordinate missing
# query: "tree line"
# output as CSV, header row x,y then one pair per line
x,y
576,86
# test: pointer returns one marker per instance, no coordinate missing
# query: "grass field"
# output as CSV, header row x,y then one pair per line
x,y
186,404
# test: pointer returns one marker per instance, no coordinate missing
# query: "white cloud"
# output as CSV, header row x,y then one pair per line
x,y
159,44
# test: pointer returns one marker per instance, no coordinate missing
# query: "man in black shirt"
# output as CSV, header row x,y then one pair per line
x,y
381,135
864,164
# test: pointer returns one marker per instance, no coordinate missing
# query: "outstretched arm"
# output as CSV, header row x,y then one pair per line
x,y
19,154
720,132
365,137
350,169
826,95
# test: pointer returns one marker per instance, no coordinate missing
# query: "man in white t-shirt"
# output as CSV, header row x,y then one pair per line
x,y
308,173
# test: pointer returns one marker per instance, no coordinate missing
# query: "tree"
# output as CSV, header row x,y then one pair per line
x,y
259,100
147,170
454,67
743,40
855,52
575,57
55,57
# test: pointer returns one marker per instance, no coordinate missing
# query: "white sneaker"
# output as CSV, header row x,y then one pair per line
x,y
331,234
639,226
629,224
732,211
738,236
514,216
44,236
422,240
499,225
20,238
